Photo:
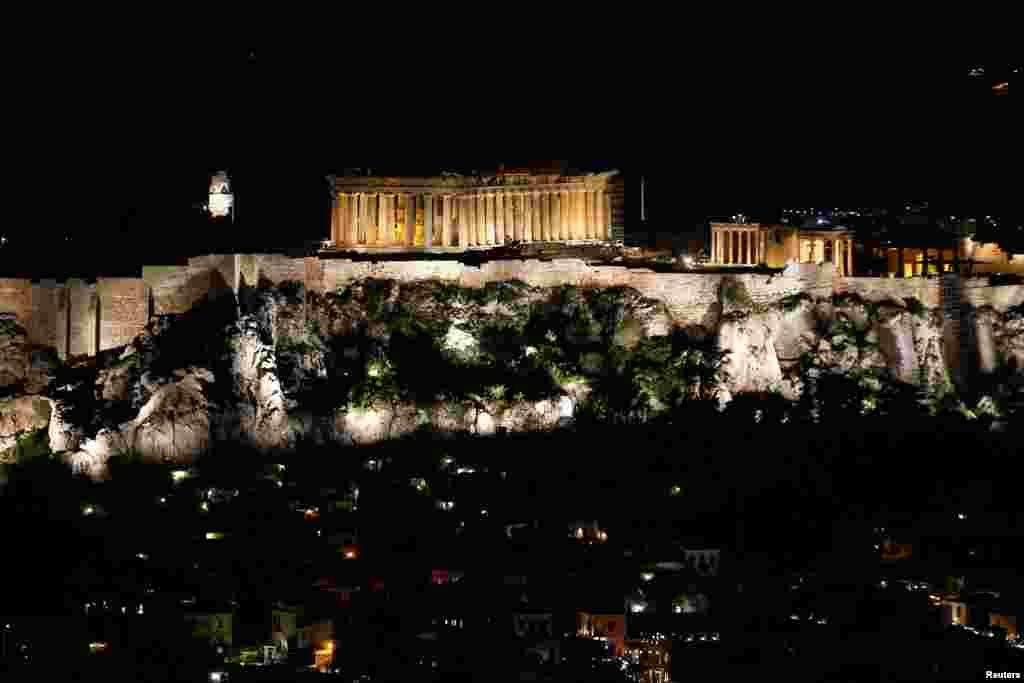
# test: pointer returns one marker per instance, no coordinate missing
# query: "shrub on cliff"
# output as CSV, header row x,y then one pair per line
x,y
915,307
732,292
31,445
293,291
791,302
11,328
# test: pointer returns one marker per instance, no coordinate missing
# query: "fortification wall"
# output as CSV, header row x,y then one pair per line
x,y
178,289
43,318
277,268
124,310
16,298
83,311
80,318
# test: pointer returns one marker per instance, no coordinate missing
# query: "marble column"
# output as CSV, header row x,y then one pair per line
x,y
531,216
588,214
569,204
335,218
900,269
446,220
350,228
510,226
492,220
573,214
384,219
556,216
471,220
546,221
368,204
585,217
458,203
608,213
563,215
410,220
338,222
603,228
377,208
542,217
352,225
428,220
499,217
481,219
849,257
478,220
595,220
581,212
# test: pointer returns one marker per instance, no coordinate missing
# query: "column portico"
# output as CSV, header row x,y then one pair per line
x,y
446,220
410,220
542,212
530,216
369,205
499,218
556,216
481,220
510,233
460,220
473,212
428,220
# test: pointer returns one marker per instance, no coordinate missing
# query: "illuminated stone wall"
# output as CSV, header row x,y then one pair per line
x,y
176,289
83,312
78,317
16,298
124,310
42,324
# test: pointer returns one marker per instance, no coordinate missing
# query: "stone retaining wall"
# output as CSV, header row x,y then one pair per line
x,y
79,318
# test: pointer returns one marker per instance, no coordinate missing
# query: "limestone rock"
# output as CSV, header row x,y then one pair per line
x,y
24,414
460,343
63,436
174,425
752,363
257,414
792,331
25,367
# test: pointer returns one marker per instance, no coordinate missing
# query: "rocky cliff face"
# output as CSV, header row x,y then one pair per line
x,y
383,359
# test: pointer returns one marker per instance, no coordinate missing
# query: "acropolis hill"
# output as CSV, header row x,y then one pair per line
x,y
360,343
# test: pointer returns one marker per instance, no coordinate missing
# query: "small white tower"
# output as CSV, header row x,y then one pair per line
x,y
222,199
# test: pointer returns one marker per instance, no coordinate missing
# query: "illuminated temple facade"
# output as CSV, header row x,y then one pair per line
x,y
465,212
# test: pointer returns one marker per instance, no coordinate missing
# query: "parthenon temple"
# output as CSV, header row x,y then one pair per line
x,y
469,212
